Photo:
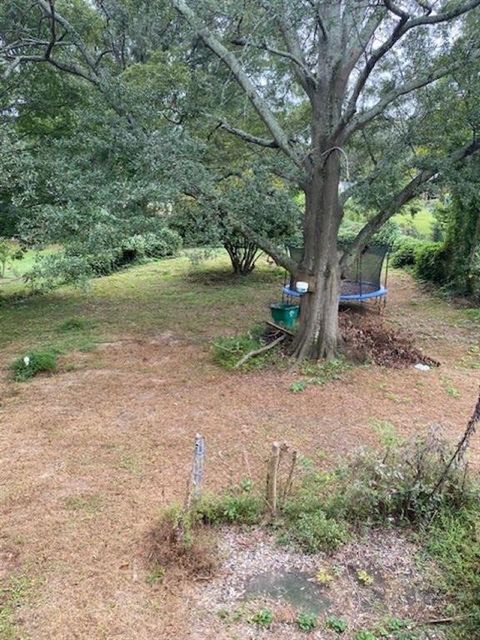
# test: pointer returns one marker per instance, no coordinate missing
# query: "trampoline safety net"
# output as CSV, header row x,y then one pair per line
x,y
362,278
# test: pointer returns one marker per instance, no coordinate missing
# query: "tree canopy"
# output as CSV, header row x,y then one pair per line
x,y
225,111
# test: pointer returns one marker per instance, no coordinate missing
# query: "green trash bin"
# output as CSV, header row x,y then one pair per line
x,y
285,314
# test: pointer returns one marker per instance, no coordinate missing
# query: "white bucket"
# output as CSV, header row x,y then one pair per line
x,y
301,287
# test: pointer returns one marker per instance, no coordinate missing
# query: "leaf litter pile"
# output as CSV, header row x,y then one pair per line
x,y
367,339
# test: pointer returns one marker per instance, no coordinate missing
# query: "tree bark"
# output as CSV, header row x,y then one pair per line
x,y
317,336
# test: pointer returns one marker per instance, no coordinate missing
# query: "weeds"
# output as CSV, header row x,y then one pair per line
x,y
156,576
239,505
453,540
181,540
363,634
364,577
32,364
336,624
315,531
306,621
449,388
10,599
75,324
227,351
320,374
262,618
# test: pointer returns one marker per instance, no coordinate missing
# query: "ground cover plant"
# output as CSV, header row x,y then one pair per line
x,y
32,364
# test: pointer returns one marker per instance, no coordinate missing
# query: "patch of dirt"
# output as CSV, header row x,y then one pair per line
x,y
364,583
89,457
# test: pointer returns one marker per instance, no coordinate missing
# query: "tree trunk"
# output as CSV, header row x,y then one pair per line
x,y
317,336
243,255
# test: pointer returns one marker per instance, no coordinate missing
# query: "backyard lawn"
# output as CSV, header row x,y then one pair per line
x,y
90,455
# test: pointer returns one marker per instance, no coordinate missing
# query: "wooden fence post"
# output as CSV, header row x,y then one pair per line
x,y
272,478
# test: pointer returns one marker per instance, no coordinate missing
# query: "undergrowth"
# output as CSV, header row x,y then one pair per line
x,y
33,363
397,485
227,351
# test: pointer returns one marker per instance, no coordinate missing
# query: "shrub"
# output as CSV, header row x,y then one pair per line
x,y
315,531
240,505
132,249
404,252
431,262
165,242
58,269
32,364
107,259
102,263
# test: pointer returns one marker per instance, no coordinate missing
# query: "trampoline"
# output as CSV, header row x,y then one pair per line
x,y
360,281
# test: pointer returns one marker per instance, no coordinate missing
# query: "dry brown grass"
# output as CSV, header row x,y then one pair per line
x,y
176,542
89,456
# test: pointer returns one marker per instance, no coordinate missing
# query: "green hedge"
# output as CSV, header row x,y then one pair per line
x,y
431,262
404,252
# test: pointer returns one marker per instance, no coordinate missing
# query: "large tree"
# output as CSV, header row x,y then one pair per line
x,y
327,86
351,63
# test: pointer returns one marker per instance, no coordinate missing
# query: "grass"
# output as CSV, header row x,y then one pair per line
x,y
422,222
13,282
32,364
11,598
201,302
90,504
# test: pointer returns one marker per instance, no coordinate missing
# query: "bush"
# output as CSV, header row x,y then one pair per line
x,y
162,244
240,505
102,263
55,270
106,260
431,262
315,531
404,252
32,364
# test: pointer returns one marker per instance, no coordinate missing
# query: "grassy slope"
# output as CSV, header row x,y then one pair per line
x,y
422,222
167,295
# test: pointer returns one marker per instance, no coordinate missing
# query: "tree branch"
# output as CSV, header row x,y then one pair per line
x,y
307,79
363,118
405,24
280,257
411,190
230,60
303,73
248,137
